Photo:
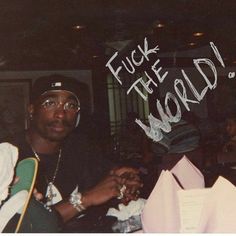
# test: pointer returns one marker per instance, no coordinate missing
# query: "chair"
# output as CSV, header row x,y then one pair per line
x,y
28,215
27,170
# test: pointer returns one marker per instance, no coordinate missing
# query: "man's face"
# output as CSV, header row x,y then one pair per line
x,y
55,114
231,127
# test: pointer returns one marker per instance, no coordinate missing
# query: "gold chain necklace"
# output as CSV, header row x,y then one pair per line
x,y
50,194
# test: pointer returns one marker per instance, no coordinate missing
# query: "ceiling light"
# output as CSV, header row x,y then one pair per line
x,y
198,34
157,24
79,27
160,25
191,44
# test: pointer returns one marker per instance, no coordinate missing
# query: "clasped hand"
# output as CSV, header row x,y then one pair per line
x,y
122,183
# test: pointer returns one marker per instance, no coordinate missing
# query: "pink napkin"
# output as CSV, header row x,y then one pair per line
x,y
188,175
216,205
161,211
219,210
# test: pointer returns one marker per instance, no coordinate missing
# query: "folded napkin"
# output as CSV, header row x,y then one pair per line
x,y
161,212
219,209
187,174
179,203
8,159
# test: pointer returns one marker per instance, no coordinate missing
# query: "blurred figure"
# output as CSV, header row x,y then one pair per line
x,y
134,149
228,153
133,143
183,139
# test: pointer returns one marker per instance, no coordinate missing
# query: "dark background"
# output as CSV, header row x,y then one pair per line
x,y
43,35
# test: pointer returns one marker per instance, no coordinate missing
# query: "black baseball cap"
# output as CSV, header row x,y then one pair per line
x,y
52,83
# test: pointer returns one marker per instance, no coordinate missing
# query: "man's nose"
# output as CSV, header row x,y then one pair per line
x,y
60,110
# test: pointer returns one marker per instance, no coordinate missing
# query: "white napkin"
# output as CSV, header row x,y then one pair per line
x,y
8,158
134,208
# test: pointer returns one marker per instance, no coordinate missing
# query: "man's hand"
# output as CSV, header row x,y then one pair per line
x,y
111,187
105,190
16,180
38,196
124,169
132,183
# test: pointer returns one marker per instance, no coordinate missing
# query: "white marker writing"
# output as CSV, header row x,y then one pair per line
x,y
156,125
231,75
145,86
145,51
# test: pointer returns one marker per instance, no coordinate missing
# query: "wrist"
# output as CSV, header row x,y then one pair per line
x,y
86,199
76,200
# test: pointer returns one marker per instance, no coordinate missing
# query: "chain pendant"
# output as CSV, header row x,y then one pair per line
x,y
50,194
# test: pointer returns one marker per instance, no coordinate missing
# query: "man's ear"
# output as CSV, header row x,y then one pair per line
x,y
30,115
30,111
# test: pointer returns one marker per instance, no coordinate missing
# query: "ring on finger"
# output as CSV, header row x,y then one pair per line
x,y
122,191
137,193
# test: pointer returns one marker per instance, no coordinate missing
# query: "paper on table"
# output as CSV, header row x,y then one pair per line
x,y
191,205
219,210
161,211
188,175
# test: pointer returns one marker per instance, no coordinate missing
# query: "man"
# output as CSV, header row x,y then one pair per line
x,y
64,159
228,152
